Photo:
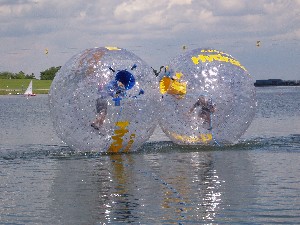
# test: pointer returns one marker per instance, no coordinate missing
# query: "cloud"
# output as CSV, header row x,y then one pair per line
x,y
160,27
143,16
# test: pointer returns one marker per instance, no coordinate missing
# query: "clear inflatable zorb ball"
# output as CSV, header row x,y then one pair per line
x,y
104,99
208,98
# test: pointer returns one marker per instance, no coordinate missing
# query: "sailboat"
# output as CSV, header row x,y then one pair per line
x,y
28,91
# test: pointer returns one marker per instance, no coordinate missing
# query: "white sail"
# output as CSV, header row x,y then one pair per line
x,y
29,89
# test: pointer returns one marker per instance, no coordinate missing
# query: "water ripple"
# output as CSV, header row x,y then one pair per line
x,y
289,143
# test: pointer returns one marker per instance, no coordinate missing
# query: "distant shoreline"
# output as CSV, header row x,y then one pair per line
x,y
276,82
276,85
21,92
18,86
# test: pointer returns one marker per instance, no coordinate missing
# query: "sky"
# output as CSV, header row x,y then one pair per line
x,y
155,30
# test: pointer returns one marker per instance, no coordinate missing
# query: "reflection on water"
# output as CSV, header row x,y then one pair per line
x,y
137,187
239,184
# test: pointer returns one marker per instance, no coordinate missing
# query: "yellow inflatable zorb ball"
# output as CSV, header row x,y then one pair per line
x,y
208,98
104,99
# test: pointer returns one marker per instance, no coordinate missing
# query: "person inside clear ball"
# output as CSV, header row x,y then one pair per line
x,y
101,108
114,89
206,109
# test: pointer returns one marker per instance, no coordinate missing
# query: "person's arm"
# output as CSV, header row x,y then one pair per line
x,y
212,108
195,105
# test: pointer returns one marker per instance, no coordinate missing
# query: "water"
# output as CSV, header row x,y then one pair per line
x,y
256,181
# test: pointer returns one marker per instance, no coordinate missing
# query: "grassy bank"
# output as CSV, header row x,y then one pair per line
x,y
18,86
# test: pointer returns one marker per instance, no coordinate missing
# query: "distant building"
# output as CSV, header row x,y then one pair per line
x,y
276,82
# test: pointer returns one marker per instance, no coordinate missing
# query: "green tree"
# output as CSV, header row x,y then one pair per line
x,y
20,75
30,76
49,74
6,75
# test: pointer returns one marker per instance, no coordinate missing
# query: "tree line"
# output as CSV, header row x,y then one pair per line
x,y
47,74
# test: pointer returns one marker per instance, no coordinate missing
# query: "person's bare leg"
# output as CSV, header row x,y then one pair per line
x,y
98,122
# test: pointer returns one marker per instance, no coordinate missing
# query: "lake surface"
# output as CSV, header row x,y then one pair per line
x,y
256,181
